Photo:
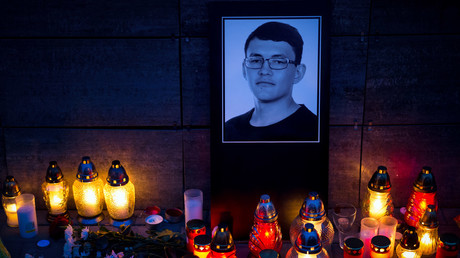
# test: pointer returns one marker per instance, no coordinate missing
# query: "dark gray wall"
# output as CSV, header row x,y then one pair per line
x,y
129,80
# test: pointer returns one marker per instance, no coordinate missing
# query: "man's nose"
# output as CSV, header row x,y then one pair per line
x,y
265,69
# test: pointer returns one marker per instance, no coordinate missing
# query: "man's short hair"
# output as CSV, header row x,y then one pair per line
x,y
277,31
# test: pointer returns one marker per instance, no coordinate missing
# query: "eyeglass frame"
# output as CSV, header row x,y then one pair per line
x,y
289,61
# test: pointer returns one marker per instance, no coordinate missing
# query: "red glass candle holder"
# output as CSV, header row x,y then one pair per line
x,y
447,246
194,228
353,248
266,232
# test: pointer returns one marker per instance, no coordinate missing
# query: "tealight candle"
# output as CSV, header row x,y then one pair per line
x,y
202,246
380,247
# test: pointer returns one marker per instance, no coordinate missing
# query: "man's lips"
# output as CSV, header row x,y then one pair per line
x,y
265,83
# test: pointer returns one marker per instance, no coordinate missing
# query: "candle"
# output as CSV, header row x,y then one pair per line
x,y
55,192
428,242
423,194
194,228
27,216
11,215
10,191
378,204
409,245
56,195
119,193
117,202
193,199
448,246
380,247
428,231
387,227
222,244
202,246
88,193
265,232
409,254
90,199
353,248
369,229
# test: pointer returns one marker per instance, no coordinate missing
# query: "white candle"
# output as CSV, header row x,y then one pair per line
x,y
387,227
369,229
27,216
193,199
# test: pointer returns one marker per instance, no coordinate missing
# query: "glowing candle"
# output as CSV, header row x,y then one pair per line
x,y
10,192
377,204
11,215
380,247
428,231
56,197
55,192
222,244
202,246
119,194
409,246
266,232
88,193
308,244
378,201
369,229
312,211
423,194
447,246
387,227
194,228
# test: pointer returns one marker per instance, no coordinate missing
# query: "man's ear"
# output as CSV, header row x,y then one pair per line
x,y
299,73
244,71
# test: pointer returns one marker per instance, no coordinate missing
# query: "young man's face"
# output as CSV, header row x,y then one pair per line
x,y
270,85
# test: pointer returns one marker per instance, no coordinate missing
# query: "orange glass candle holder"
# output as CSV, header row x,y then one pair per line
x,y
202,246
380,247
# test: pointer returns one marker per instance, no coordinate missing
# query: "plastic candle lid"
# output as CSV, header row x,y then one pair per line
x,y
154,219
43,243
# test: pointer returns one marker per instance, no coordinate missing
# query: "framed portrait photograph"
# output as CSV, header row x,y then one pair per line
x,y
269,74
278,104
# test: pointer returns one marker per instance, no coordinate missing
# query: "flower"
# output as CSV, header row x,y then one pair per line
x,y
68,233
67,250
114,255
69,243
85,233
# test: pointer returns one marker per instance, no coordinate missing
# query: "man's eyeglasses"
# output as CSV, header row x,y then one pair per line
x,y
256,62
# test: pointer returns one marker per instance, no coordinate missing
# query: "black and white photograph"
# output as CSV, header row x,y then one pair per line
x,y
271,82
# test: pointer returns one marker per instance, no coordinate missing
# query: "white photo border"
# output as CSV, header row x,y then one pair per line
x,y
306,33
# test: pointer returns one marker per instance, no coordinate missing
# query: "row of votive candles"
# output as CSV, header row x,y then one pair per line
x,y
371,227
378,241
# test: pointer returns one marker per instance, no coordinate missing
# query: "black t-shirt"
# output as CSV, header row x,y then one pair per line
x,y
301,125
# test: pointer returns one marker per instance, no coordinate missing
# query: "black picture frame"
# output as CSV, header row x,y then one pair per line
x,y
286,169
